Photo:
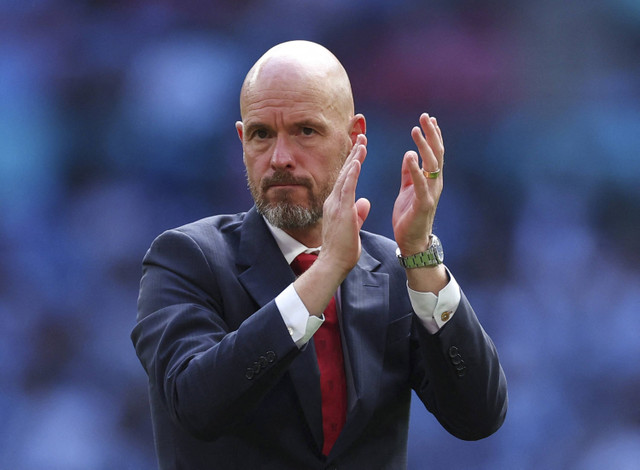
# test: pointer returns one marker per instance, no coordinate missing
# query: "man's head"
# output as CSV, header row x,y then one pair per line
x,y
297,127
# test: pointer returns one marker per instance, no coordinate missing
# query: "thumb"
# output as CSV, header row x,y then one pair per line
x,y
409,158
363,206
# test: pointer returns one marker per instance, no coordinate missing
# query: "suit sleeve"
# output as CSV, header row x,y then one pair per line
x,y
460,379
208,375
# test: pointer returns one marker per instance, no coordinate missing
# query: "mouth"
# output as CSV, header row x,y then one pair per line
x,y
284,191
284,185
283,181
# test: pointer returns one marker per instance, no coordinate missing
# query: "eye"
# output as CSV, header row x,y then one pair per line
x,y
307,131
261,133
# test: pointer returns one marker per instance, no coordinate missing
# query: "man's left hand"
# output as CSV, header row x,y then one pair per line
x,y
415,206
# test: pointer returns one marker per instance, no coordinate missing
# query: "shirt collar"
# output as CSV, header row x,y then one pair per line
x,y
289,246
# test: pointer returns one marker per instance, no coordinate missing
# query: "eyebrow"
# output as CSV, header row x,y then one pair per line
x,y
318,124
252,127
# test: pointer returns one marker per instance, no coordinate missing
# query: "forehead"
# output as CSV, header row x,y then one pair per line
x,y
289,92
287,105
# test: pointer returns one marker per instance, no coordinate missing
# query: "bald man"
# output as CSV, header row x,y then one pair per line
x,y
287,337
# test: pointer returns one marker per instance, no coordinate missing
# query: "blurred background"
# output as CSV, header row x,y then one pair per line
x,y
117,122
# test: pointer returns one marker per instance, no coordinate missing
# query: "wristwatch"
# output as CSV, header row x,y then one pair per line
x,y
432,257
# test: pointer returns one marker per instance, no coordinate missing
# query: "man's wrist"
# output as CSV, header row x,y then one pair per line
x,y
300,324
432,256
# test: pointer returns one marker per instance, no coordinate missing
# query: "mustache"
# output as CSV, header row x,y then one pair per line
x,y
284,177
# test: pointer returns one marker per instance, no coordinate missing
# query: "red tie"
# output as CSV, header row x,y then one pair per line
x,y
333,385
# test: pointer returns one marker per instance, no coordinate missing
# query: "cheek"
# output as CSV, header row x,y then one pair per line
x,y
254,163
253,177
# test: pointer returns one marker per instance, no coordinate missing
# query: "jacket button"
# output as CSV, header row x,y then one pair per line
x,y
453,351
249,373
457,360
271,356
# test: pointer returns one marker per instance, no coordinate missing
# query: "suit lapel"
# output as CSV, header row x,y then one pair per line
x,y
267,272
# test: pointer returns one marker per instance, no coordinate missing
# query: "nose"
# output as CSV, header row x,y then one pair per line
x,y
282,156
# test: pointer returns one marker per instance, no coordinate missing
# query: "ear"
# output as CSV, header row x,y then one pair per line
x,y
240,129
358,126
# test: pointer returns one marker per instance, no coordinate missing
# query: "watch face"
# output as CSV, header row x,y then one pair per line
x,y
437,249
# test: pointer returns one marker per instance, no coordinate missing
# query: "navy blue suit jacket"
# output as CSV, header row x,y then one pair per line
x,y
230,390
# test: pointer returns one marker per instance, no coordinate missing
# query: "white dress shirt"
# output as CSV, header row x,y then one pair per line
x,y
432,310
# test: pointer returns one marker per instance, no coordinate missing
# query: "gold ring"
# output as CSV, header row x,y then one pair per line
x,y
431,174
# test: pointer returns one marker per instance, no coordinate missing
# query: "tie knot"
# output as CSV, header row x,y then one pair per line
x,y
303,262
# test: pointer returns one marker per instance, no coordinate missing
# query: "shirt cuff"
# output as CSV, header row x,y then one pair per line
x,y
436,310
299,322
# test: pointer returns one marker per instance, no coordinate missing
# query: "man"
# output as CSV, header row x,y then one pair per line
x,y
254,363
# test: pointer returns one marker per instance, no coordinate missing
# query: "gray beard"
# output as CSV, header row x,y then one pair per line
x,y
284,214
287,216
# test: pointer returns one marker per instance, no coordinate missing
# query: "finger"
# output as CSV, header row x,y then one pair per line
x,y
363,206
358,153
435,123
429,127
361,140
429,159
348,190
417,176
405,173
433,137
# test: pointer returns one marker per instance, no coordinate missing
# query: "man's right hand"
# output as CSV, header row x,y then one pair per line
x,y
343,216
342,220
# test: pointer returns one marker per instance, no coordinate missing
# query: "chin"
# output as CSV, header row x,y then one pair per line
x,y
289,216
286,196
